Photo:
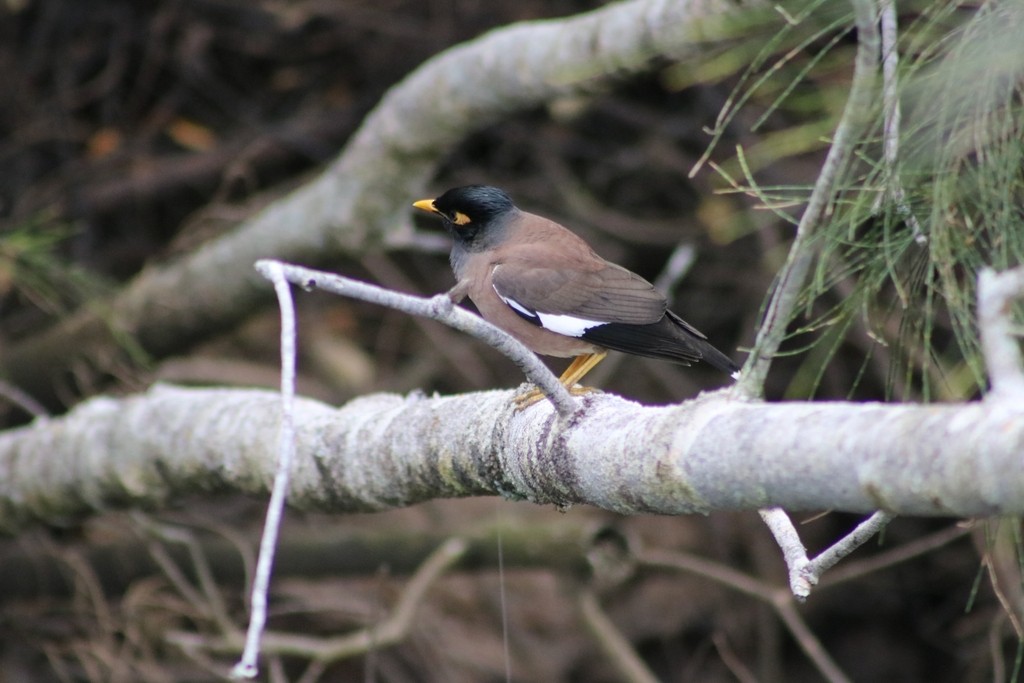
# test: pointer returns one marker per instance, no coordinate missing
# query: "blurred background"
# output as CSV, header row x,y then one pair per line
x,y
131,133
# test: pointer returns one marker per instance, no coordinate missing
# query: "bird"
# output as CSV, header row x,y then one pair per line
x,y
545,286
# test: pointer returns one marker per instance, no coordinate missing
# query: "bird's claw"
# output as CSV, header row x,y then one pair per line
x,y
531,396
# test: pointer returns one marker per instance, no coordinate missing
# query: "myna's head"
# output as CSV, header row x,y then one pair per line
x,y
471,211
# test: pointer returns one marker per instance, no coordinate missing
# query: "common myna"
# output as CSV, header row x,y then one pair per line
x,y
546,287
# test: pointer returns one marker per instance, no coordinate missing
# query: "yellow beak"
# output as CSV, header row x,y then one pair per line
x,y
425,205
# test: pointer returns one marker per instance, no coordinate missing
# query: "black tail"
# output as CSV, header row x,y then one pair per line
x,y
671,338
717,359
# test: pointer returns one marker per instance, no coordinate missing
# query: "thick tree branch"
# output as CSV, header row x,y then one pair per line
x,y
384,451
362,199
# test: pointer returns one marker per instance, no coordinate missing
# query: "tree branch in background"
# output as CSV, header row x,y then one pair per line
x,y
620,652
779,599
388,632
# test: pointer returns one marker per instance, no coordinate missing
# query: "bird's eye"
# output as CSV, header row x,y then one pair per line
x,y
461,219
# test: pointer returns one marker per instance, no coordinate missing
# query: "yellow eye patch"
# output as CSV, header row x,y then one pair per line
x,y
461,219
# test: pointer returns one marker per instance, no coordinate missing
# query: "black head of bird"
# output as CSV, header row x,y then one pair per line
x,y
471,214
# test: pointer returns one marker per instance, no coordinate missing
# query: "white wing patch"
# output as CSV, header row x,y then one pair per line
x,y
569,325
516,305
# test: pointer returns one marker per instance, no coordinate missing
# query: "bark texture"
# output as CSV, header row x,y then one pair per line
x,y
382,451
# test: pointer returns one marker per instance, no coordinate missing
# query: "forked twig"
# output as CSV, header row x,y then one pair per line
x,y
805,573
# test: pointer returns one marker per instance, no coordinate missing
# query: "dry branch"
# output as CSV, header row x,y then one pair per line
x,y
384,451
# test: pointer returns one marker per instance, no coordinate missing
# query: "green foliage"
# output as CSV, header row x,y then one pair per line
x,y
31,266
904,239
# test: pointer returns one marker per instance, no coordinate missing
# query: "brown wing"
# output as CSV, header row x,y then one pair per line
x,y
576,283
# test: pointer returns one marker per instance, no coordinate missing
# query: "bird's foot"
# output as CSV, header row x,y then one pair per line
x,y
535,395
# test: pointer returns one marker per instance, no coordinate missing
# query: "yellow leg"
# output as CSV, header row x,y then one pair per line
x,y
579,367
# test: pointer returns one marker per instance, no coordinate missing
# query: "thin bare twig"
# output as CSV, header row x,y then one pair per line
x,y
920,546
209,601
732,661
440,308
801,254
864,532
616,648
793,551
708,569
892,115
23,400
678,265
998,542
247,666
809,643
